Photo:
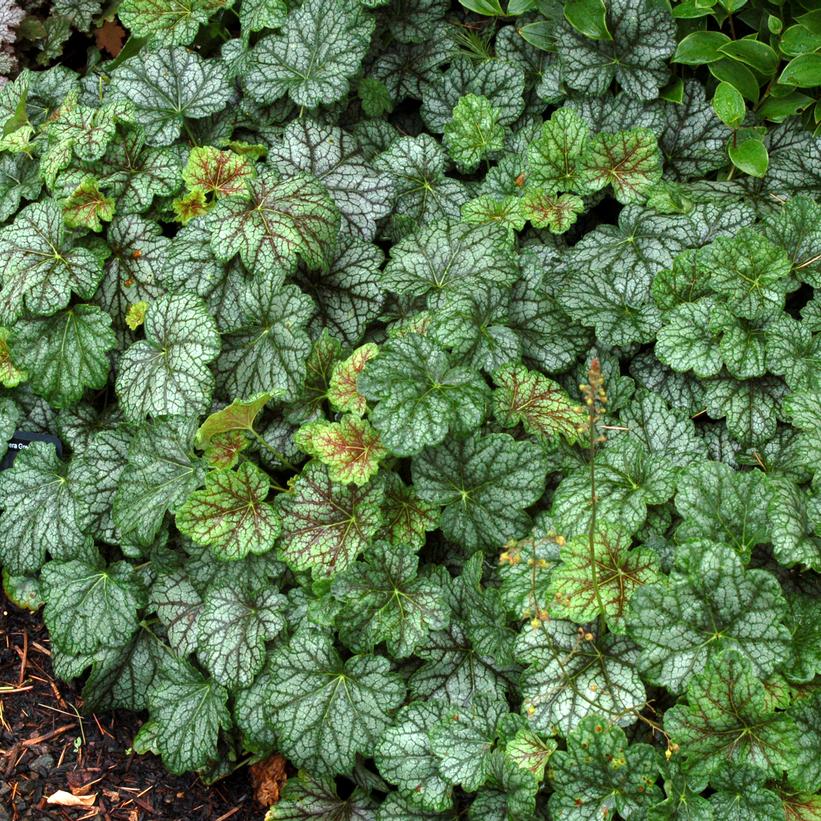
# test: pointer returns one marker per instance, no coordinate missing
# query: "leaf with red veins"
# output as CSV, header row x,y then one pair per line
x,y
342,392
230,514
577,587
351,448
221,173
326,525
627,160
539,404
224,449
556,213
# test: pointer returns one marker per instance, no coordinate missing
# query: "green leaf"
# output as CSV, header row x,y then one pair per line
x,y
569,676
463,742
719,504
484,484
739,794
306,796
350,448
385,600
42,510
710,604
168,373
267,350
729,104
178,606
473,133
600,773
450,258
749,273
88,607
803,71
700,47
686,341
749,156
325,711
753,53
168,86
238,416
171,23
314,56
539,404
642,40
230,514
65,353
554,157
629,161
186,712
232,628
38,268
273,222
793,515
255,15
407,517
419,395
600,579
325,525
729,721
363,195
588,17
796,227
161,473
404,756
750,406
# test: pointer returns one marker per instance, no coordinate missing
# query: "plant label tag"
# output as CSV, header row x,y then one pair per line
x,y
22,439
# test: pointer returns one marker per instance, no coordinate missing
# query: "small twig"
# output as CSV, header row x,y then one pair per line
x,y
228,814
47,736
23,659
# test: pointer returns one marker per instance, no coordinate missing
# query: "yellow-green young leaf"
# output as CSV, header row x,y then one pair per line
x,y
10,375
582,587
65,353
350,448
407,517
87,206
324,524
473,133
224,449
135,315
216,172
230,514
629,161
238,416
487,210
539,404
191,205
729,721
557,213
327,710
342,391
530,751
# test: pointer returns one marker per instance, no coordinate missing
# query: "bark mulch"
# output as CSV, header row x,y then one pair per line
x,y
47,744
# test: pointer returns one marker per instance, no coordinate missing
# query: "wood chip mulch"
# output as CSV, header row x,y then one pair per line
x,y
50,748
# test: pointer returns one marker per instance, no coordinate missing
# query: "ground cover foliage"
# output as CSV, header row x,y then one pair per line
x,y
439,397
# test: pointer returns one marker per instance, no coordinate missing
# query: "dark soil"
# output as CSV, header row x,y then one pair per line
x,y
47,744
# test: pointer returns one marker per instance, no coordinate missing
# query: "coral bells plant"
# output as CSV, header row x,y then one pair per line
x,y
428,393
